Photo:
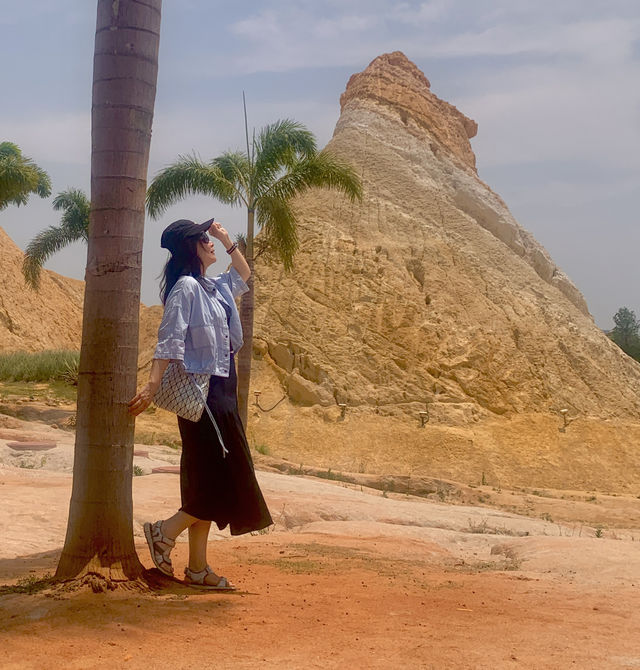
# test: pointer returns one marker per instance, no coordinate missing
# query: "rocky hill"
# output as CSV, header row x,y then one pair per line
x,y
428,297
422,332
50,318
429,291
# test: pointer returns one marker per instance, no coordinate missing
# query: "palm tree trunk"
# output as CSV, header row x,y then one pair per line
x,y
100,528
246,319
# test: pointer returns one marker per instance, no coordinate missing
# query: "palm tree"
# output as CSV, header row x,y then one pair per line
x,y
283,163
99,545
74,226
20,177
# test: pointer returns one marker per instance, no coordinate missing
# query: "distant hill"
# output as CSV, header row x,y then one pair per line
x,y
50,318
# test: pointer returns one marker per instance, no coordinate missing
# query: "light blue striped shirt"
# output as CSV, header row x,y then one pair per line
x,y
194,326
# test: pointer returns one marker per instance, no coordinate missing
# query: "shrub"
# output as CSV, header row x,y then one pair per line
x,y
41,366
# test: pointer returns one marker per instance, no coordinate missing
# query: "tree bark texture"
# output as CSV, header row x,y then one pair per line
x,y
246,320
100,528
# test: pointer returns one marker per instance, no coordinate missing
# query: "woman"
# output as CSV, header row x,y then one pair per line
x,y
201,327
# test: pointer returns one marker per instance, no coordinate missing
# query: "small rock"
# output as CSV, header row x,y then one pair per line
x,y
166,469
31,446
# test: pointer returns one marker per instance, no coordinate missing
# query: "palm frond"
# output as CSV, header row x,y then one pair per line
x,y
72,197
42,246
43,187
278,229
283,136
279,146
17,200
236,169
13,174
189,175
9,149
324,170
17,181
76,210
20,176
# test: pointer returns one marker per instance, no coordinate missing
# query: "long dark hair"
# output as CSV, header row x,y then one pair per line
x,y
183,261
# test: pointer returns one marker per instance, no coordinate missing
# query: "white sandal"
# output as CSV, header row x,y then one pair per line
x,y
159,556
196,579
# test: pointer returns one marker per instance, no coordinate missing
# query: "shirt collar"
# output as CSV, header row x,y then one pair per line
x,y
207,283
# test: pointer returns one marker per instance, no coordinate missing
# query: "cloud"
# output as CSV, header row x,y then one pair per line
x,y
608,40
13,13
425,13
284,37
184,130
62,138
545,80
568,112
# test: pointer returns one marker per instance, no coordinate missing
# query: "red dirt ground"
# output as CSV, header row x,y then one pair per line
x,y
310,601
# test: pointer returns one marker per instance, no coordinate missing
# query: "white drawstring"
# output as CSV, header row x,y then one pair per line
x,y
225,451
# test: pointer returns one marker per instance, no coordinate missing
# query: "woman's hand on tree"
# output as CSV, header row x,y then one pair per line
x,y
142,399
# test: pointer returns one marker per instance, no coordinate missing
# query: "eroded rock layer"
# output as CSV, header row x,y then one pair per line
x,y
50,318
428,295
393,81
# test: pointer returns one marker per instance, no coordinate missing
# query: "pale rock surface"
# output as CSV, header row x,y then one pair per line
x,y
426,297
393,81
34,514
50,318
428,292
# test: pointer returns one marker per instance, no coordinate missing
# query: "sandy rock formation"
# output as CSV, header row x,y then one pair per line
x,y
428,294
50,318
427,297
393,81
150,318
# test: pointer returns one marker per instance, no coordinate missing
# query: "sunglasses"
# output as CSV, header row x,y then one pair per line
x,y
204,237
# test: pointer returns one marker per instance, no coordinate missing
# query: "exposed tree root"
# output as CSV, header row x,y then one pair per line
x,y
100,584
152,582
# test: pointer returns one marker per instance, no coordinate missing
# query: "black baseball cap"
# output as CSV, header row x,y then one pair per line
x,y
178,231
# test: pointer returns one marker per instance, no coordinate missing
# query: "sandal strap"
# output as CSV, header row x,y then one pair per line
x,y
200,576
163,557
159,546
158,536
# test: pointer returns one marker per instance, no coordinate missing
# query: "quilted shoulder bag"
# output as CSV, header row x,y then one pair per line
x,y
185,394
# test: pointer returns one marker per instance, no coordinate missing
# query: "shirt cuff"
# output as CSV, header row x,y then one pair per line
x,y
170,349
238,285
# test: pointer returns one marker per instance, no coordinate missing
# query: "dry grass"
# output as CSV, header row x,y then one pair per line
x,y
40,366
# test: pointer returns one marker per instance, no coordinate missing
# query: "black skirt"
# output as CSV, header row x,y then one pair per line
x,y
214,488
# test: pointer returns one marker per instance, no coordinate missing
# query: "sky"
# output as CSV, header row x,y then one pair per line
x,y
553,85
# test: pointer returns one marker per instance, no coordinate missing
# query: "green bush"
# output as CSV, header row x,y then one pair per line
x,y
42,366
626,333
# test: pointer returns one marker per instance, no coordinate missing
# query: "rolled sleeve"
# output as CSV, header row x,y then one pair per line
x,y
234,281
174,324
